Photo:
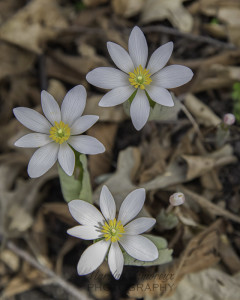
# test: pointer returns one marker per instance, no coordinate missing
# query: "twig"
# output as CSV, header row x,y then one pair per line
x,y
213,208
189,36
68,287
155,28
192,120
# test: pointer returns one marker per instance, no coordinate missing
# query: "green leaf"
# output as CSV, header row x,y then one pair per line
x,y
127,103
165,254
214,21
165,113
77,186
166,221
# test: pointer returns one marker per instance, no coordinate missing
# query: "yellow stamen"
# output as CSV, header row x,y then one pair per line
x,y
113,230
140,77
60,132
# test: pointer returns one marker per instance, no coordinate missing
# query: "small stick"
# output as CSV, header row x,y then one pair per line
x,y
192,120
67,286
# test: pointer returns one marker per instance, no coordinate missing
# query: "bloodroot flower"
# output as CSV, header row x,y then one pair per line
x,y
137,79
57,132
229,119
177,199
114,233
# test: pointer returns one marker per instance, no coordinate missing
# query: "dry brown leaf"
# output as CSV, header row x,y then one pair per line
x,y
217,30
216,76
60,210
8,8
120,183
14,60
209,284
33,25
92,3
202,112
200,253
106,114
18,203
177,172
57,90
37,240
26,280
208,206
174,11
155,163
127,8
10,259
211,8
67,247
229,256
101,163
198,165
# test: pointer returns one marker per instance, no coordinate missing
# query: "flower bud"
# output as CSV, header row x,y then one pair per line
x,y
177,199
229,119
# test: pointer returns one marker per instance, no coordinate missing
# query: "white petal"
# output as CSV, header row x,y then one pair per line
x,y
85,213
33,140
92,257
43,159
160,95
172,76
73,104
107,78
85,232
120,57
66,158
83,123
50,107
32,119
139,225
107,204
139,247
139,110
138,48
86,144
131,205
115,260
116,96
160,57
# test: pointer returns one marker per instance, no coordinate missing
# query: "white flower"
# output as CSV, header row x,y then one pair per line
x,y
57,131
112,232
229,119
177,199
134,76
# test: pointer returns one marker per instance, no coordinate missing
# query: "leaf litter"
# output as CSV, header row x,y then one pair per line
x,y
52,45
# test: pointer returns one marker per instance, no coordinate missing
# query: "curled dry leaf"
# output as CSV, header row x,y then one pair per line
x,y
173,11
33,25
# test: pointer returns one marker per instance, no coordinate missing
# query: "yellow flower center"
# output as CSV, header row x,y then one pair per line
x,y
113,230
140,77
60,132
